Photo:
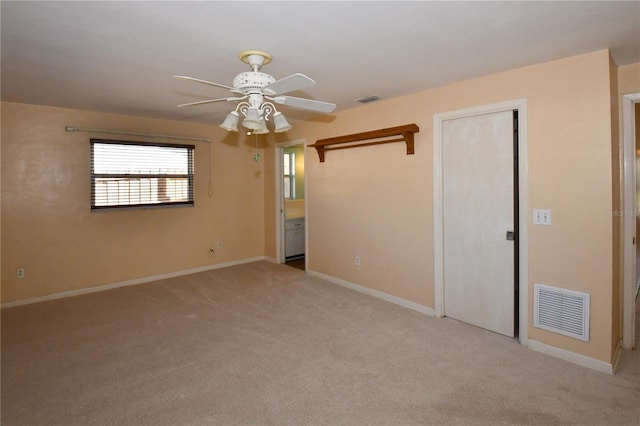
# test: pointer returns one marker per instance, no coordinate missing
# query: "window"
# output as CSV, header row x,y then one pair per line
x,y
135,174
289,175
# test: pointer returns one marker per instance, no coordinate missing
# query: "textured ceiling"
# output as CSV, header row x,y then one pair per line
x,y
121,56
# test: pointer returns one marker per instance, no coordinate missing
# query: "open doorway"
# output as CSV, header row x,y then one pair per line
x,y
635,305
291,199
630,114
636,134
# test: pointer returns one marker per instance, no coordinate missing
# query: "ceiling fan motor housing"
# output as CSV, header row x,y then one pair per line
x,y
252,80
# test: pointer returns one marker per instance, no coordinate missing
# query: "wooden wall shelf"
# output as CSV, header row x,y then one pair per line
x,y
375,137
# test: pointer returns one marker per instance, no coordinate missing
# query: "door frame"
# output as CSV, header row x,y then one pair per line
x,y
438,232
279,204
629,220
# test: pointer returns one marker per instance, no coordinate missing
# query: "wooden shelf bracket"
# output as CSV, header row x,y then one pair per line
x,y
375,137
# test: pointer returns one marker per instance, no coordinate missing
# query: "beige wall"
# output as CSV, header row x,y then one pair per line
x,y
48,228
629,79
377,202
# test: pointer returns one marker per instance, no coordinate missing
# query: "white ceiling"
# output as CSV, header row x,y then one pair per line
x,y
121,56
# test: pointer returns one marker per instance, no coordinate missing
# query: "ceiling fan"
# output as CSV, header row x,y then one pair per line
x,y
257,94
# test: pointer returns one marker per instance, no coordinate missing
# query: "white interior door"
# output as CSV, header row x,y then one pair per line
x,y
478,211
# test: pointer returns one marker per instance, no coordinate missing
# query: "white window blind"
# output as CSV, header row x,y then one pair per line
x,y
136,174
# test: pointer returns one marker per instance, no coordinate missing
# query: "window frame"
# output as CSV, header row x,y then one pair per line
x,y
130,177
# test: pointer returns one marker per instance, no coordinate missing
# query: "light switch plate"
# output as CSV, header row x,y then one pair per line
x,y
541,217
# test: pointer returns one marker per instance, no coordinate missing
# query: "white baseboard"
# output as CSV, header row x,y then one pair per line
x,y
142,280
375,293
585,361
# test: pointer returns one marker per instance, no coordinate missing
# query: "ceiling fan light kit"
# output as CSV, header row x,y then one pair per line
x,y
262,129
230,123
252,118
258,92
281,123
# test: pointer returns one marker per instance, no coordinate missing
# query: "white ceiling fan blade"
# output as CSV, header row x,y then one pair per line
x,y
288,84
302,103
184,77
208,101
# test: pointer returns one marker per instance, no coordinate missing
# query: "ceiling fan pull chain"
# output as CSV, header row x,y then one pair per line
x,y
256,156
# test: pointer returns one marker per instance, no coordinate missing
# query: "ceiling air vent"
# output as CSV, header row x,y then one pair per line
x,y
367,99
562,311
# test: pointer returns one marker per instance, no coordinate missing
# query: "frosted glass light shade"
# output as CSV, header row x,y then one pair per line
x,y
252,120
281,123
262,130
230,123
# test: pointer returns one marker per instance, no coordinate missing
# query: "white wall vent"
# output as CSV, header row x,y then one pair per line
x,y
562,311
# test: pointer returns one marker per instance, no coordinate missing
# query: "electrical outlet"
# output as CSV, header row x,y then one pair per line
x,y
541,217
219,244
20,273
357,260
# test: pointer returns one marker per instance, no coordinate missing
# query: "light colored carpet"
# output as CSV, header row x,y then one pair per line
x,y
265,344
